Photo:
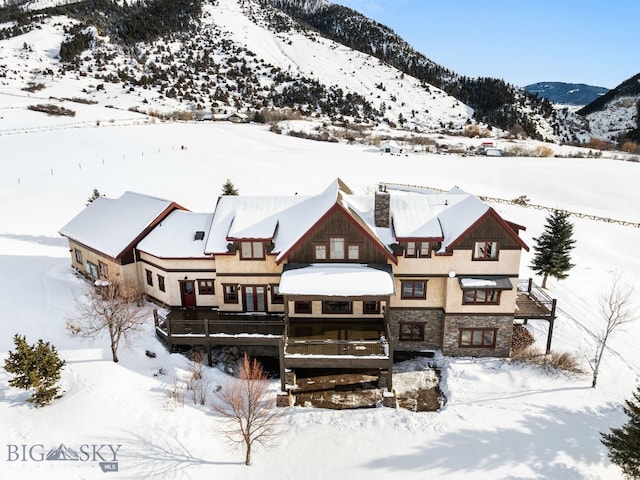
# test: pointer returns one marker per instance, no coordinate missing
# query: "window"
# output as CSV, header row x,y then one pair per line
x,y
354,252
92,270
104,269
205,287
161,283
481,296
149,277
485,251
370,307
230,293
337,308
251,250
478,337
320,252
276,298
416,249
336,248
302,307
412,331
413,289
78,255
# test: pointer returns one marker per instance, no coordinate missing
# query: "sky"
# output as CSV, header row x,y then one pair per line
x,y
522,42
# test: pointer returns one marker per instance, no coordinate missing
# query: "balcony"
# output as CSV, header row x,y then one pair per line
x,y
210,327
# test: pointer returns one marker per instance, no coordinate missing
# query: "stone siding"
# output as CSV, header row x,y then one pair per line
x,y
432,319
504,331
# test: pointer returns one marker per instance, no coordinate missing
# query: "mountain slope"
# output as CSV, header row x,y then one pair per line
x,y
493,100
562,93
616,115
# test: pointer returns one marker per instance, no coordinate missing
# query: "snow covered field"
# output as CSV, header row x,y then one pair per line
x,y
501,421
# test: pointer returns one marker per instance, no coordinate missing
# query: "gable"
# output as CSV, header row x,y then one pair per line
x,y
489,227
338,222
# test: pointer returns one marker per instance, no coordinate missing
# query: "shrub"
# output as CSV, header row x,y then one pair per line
x,y
554,361
543,151
35,366
50,109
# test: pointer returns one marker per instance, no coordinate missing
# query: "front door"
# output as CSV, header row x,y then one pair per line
x,y
188,293
255,298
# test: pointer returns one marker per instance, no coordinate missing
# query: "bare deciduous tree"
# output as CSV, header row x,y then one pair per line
x,y
112,306
616,308
249,415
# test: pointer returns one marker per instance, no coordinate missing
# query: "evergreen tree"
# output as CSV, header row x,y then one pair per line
x,y
229,188
553,247
624,442
35,366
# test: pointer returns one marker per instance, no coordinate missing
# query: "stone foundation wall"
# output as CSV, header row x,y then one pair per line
x,y
451,340
433,320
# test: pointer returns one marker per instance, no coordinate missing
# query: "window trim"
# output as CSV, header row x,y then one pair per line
x,y
103,269
344,248
482,344
204,289
413,296
355,247
230,293
252,246
149,275
418,249
276,297
485,258
78,256
414,336
476,291
298,307
366,311
328,311
92,270
161,284
316,248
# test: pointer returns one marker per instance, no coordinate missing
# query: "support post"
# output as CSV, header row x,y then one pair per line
x,y
550,334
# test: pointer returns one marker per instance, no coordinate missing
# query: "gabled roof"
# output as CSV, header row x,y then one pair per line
x,y
113,226
181,234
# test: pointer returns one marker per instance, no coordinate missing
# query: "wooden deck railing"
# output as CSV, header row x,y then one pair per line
x,y
533,302
207,327
362,348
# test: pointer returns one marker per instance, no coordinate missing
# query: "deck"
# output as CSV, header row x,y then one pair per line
x,y
210,327
533,303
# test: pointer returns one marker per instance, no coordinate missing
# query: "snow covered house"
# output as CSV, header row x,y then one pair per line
x,y
390,146
334,280
103,237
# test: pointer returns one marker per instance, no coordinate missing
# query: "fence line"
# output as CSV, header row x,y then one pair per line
x,y
521,201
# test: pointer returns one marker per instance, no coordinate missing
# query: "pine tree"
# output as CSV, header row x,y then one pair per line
x,y
229,188
624,442
35,366
553,247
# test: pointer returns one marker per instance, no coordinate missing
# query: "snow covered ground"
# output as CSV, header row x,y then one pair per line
x,y
501,421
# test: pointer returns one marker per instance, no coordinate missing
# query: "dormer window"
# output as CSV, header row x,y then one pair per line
x,y
413,249
251,250
485,251
199,235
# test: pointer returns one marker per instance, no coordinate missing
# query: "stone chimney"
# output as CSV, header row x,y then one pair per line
x,y
382,207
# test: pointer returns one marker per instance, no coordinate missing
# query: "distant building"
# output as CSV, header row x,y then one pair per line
x,y
390,146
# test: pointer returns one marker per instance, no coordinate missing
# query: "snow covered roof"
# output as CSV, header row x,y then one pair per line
x,y
485,283
415,214
336,280
181,234
111,226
